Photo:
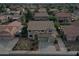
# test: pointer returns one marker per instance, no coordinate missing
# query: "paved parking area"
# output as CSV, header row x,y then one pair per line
x,y
7,45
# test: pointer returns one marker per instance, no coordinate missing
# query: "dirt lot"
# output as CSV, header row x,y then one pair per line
x,y
25,44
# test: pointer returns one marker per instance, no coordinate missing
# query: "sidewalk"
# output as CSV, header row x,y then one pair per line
x,y
61,45
7,45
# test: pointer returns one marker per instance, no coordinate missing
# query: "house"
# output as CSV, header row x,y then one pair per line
x,y
30,6
71,32
3,19
42,10
64,17
15,7
9,31
13,12
14,17
32,11
53,11
43,29
41,16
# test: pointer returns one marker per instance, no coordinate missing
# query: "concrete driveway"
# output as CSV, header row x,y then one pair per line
x,y
44,45
7,45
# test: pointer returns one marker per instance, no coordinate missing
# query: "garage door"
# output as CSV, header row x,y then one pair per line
x,y
43,42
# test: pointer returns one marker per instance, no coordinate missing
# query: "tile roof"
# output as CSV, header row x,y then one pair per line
x,y
42,10
72,30
40,25
12,28
63,14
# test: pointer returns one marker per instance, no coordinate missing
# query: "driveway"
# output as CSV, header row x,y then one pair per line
x,y
7,45
43,42
44,45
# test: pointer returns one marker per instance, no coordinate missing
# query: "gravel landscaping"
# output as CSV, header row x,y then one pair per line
x,y
25,44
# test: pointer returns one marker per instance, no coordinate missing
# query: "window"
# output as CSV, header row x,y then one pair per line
x,y
29,30
30,35
50,30
61,21
42,30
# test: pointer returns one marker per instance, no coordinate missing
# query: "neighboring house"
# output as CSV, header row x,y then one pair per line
x,y
71,32
32,11
14,17
3,19
30,6
14,12
41,29
42,10
15,7
40,16
64,17
10,30
53,11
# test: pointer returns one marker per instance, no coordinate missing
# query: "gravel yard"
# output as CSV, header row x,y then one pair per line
x,y
25,44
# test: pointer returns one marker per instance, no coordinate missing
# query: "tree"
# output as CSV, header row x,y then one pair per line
x,y
71,8
59,7
77,54
10,19
57,26
2,8
28,15
24,32
52,18
55,42
23,19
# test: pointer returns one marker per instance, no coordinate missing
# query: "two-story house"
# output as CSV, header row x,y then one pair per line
x,y
40,28
44,31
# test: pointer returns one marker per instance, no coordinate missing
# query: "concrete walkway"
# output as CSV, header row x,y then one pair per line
x,y
61,45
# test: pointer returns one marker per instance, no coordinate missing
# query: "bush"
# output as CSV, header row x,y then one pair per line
x,y
52,18
24,32
68,49
55,42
